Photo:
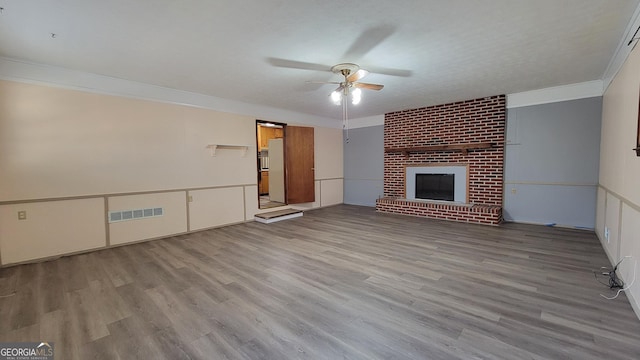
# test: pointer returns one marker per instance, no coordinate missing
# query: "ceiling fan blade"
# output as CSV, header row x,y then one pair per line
x,y
339,88
369,39
297,64
357,75
368,86
391,72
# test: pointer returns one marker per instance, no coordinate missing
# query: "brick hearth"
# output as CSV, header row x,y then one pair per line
x,y
449,125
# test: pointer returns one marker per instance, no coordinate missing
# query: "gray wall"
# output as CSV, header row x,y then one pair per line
x,y
551,166
552,159
364,166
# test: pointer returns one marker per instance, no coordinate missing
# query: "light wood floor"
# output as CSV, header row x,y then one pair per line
x,y
338,283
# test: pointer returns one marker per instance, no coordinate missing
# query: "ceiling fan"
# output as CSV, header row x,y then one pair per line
x,y
351,73
350,86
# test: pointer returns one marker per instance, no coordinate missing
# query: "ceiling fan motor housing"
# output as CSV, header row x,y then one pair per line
x,y
345,69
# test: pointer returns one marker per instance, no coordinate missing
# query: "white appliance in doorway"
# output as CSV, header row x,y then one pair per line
x,y
276,170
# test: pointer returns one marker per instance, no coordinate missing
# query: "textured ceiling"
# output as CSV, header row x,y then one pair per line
x,y
263,51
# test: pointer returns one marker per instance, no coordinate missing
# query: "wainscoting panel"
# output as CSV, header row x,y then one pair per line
x,y
173,221
51,228
216,207
331,192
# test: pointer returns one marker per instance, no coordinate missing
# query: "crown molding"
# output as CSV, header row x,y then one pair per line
x,y
47,75
556,94
626,45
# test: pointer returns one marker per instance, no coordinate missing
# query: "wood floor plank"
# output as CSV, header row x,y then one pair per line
x,y
132,338
213,345
109,303
51,294
188,324
342,282
83,312
493,348
143,307
114,269
101,349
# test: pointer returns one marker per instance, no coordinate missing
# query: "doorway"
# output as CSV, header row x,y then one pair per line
x,y
285,164
271,166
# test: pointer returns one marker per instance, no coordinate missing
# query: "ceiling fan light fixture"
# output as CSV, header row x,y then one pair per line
x,y
356,96
336,97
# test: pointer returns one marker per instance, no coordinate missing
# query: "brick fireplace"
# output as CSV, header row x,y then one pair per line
x,y
468,134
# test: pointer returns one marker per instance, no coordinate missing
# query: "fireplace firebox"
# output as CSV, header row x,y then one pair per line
x,y
435,186
444,182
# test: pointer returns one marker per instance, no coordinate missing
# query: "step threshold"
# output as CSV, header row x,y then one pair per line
x,y
278,215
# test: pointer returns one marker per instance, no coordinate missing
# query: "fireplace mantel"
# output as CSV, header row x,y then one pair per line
x,y
464,148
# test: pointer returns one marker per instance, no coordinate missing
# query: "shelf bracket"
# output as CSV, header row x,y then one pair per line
x,y
214,147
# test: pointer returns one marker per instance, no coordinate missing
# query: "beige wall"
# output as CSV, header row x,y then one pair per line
x,y
85,144
60,144
215,207
331,192
328,153
51,228
173,221
619,194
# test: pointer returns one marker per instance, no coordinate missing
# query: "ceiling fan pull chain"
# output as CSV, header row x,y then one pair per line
x,y
345,119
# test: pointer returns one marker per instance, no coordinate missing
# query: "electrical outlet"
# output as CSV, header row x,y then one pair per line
x,y
190,198
22,215
606,233
513,191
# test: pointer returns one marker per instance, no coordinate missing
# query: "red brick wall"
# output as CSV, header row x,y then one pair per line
x,y
471,121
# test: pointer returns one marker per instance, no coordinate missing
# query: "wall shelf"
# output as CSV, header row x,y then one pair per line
x,y
464,148
214,147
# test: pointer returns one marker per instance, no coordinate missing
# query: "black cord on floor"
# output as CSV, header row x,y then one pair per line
x,y
614,281
595,274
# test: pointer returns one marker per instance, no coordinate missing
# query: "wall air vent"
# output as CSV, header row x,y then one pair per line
x,y
135,214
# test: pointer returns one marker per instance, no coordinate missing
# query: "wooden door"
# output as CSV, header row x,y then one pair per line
x,y
300,169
